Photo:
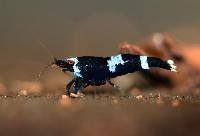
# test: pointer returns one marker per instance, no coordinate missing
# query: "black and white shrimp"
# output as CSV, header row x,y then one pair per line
x,y
96,71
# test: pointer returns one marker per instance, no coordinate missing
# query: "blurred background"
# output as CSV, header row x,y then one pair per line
x,y
154,102
89,27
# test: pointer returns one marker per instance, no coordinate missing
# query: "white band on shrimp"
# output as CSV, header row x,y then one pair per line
x,y
77,72
144,63
114,61
173,67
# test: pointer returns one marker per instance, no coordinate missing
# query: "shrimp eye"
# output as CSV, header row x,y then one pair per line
x,y
70,62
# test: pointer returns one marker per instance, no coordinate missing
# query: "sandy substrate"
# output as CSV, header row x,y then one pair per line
x,y
101,115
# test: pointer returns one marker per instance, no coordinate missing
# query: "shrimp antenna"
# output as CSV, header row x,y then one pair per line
x,y
48,51
49,65
42,71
